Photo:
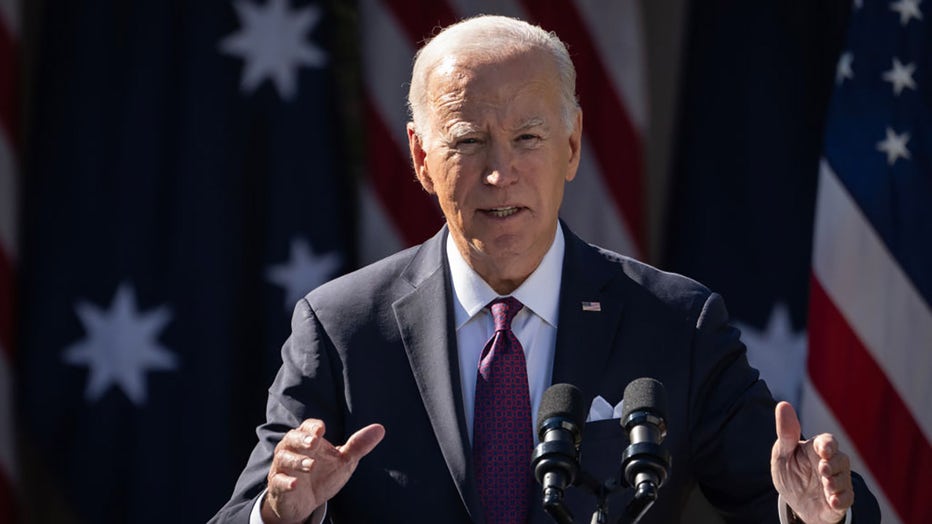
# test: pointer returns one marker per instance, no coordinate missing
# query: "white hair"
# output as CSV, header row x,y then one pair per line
x,y
493,37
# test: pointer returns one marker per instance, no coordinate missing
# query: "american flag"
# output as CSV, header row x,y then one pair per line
x,y
9,45
870,322
605,203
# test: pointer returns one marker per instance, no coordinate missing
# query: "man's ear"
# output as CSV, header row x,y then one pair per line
x,y
575,145
418,158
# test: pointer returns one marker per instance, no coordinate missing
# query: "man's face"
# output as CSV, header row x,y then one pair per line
x,y
497,155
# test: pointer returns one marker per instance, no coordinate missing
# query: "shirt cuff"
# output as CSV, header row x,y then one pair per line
x,y
255,517
788,517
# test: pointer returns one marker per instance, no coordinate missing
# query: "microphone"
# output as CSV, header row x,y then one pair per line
x,y
555,461
645,462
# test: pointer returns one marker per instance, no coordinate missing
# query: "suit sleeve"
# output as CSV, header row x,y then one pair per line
x,y
307,386
731,421
733,427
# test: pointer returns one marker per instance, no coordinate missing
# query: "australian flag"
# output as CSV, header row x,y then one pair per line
x,y
757,82
182,191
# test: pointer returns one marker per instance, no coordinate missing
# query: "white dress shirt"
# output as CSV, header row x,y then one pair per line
x,y
535,325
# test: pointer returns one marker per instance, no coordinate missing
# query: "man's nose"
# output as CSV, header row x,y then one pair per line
x,y
500,166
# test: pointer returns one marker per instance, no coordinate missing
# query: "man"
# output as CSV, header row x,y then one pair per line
x,y
393,360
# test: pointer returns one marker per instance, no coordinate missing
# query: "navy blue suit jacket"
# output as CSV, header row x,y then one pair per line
x,y
378,345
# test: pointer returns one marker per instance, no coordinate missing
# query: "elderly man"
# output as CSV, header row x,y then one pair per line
x,y
428,366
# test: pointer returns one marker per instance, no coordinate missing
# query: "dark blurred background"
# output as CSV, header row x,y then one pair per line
x,y
176,174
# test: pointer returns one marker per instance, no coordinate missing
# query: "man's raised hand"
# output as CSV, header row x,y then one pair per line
x,y
813,476
307,470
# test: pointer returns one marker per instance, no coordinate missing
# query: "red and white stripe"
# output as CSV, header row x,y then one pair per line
x,y
9,190
870,356
604,204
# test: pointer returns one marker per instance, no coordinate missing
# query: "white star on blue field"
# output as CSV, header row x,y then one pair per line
x,y
121,346
272,43
303,271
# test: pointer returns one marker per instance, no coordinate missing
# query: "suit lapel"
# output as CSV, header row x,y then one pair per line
x,y
425,321
589,316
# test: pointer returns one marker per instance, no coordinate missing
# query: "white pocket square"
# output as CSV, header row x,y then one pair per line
x,y
602,410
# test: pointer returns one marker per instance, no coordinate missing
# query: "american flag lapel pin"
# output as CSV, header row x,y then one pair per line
x,y
592,306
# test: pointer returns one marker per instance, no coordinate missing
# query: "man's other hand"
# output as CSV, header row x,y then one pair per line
x,y
813,476
307,470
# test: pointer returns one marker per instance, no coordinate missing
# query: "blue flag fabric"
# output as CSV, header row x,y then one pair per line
x,y
886,109
757,81
182,193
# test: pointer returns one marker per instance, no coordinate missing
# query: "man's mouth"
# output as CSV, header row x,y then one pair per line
x,y
502,212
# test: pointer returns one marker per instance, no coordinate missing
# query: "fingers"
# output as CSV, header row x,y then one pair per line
x,y
836,484
839,494
835,472
788,429
825,446
837,463
281,483
307,470
295,453
294,462
362,442
799,469
313,427
305,445
840,501
304,439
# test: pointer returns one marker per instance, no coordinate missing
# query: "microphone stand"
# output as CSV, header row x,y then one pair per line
x,y
601,490
645,463
644,497
553,505
645,490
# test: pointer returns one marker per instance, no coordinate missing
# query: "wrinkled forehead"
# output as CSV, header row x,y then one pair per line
x,y
467,86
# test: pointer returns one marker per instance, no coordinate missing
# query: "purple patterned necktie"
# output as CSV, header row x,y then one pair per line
x,y
502,434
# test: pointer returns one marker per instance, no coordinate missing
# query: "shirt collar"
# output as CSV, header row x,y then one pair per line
x,y
540,293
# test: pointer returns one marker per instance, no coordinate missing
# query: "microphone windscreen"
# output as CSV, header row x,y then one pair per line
x,y
564,401
644,394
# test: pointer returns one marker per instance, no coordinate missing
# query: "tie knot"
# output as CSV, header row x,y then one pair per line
x,y
504,311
